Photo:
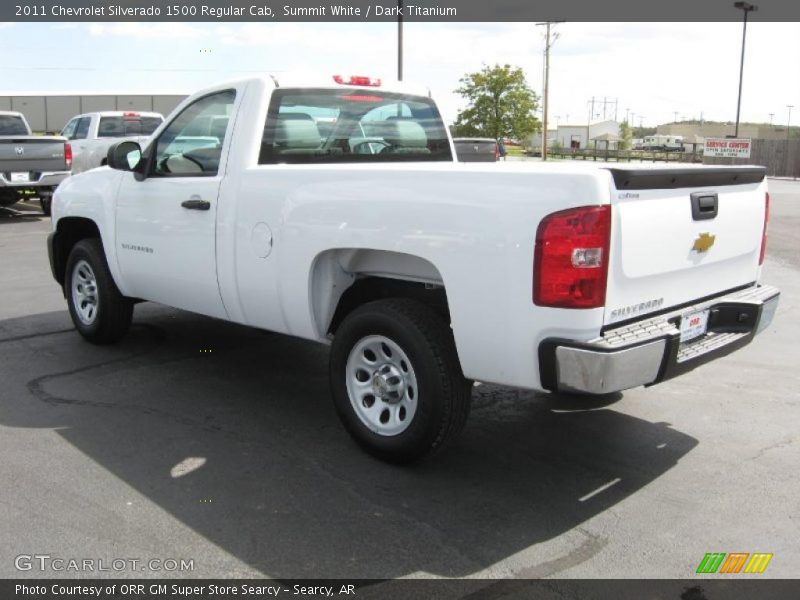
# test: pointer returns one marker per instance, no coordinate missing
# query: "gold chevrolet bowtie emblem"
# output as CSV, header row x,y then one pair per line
x,y
704,242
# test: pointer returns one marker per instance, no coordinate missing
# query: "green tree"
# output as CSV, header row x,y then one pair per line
x,y
500,104
626,133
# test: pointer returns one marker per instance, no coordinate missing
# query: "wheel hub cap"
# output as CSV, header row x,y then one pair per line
x,y
381,385
389,383
84,292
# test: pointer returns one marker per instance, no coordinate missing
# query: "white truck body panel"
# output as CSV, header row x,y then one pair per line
x,y
652,257
278,246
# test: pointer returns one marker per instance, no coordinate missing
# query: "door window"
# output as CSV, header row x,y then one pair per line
x,y
69,130
191,145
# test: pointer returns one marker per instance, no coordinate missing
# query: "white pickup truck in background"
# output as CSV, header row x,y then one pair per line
x,y
92,134
336,212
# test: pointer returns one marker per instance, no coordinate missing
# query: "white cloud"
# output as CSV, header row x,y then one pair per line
x,y
147,30
653,69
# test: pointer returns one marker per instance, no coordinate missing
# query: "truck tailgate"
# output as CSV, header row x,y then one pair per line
x,y
680,235
32,154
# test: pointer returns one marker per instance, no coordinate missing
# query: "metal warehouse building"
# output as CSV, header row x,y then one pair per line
x,y
50,112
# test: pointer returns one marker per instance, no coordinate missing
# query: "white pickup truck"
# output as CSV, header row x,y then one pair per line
x,y
92,134
337,213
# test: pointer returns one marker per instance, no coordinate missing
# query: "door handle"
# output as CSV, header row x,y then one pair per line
x,y
196,204
704,205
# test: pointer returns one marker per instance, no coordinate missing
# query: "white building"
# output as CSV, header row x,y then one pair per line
x,y
50,111
574,136
534,142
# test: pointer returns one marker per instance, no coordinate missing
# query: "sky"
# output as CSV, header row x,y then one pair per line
x,y
654,70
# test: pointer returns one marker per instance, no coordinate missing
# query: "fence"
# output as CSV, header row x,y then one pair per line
x,y
780,157
608,155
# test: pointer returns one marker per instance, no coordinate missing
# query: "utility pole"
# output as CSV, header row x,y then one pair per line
x,y
789,121
746,8
589,122
548,43
770,118
399,40
675,114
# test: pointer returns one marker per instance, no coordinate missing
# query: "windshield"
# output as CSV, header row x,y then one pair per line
x,y
127,125
12,125
352,125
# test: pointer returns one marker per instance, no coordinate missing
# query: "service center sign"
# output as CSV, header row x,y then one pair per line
x,y
727,148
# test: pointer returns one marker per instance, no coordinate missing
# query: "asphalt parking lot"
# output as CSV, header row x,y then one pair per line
x,y
197,439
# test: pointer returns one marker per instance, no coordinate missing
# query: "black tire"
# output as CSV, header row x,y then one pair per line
x,y
114,312
444,395
8,198
47,204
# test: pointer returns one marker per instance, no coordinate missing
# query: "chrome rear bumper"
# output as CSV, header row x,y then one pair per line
x,y
650,351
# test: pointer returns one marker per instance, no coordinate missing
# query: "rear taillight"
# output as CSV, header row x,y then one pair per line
x,y
570,265
68,155
764,231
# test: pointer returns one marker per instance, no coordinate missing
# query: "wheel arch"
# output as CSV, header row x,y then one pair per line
x,y
342,279
69,231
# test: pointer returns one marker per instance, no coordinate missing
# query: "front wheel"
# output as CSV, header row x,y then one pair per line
x,y
396,380
100,313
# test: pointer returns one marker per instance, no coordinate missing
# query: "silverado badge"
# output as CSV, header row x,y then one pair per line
x,y
704,242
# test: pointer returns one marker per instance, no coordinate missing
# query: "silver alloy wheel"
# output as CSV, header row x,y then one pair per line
x,y
84,292
382,385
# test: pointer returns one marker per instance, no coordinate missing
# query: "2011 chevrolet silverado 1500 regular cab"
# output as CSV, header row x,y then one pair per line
x,y
337,213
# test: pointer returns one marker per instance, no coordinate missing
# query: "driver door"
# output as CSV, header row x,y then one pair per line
x,y
166,223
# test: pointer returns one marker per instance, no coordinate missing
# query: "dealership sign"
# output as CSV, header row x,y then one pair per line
x,y
727,148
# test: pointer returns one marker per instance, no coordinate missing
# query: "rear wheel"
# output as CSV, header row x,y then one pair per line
x,y
100,313
8,197
47,203
396,380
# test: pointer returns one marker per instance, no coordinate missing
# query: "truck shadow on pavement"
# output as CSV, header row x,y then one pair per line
x,y
232,432
20,211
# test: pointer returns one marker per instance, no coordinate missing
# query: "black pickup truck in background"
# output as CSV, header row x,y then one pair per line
x,y
476,149
30,165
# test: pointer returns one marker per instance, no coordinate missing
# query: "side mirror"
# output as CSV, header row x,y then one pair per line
x,y
124,156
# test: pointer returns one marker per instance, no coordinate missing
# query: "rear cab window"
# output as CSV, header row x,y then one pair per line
x,y
12,125
319,126
126,125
